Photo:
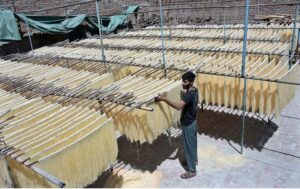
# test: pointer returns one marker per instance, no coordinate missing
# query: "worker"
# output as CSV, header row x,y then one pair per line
x,y
188,104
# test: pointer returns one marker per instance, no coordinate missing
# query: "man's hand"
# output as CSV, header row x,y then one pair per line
x,y
176,105
161,97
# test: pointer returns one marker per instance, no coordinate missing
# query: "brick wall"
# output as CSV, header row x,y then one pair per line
x,y
109,7
216,15
192,15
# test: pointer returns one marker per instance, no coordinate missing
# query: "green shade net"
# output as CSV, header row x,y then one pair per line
x,y
114,21
8,26
57,24
52,25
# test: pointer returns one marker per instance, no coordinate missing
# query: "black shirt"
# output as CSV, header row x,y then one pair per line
x,y
189,111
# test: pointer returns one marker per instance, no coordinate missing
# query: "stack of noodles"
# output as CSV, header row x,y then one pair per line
x,y
262,96
131,61
140,125
138,57
255,32
118,71
73,144
126,94
72,63
58,76
149,129
199,44
130,58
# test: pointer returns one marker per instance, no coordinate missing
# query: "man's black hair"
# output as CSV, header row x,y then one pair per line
x,y
189,76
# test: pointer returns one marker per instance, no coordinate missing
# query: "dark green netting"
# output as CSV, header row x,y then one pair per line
x,y
8,26
57,24
53,26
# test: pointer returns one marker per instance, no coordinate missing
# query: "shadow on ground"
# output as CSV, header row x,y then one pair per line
x,y
147,157
220,125
143,157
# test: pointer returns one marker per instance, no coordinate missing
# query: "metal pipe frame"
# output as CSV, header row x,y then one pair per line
x,y
293,35
258,9
162,39
100,31
243,70
29,35
170,26
48,177
13,4
224,27
163,48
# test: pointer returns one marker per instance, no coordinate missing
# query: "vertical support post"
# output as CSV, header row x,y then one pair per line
x,y
67,16
170,22
170,30
298,37
163,54
224,27
15,11
127,20
243,70
298,41
162,38
218,16
258,10
13,3
182,1
293,36
127,17
29,35
100,31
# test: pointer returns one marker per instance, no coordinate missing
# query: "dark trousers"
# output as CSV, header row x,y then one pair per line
x,y
189,138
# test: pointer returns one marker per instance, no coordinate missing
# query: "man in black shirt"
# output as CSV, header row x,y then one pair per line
x,y
188,120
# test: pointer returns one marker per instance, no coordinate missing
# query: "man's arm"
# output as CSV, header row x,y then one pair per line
x,y
176,105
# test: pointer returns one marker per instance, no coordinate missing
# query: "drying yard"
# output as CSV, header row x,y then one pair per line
x,y
82,113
